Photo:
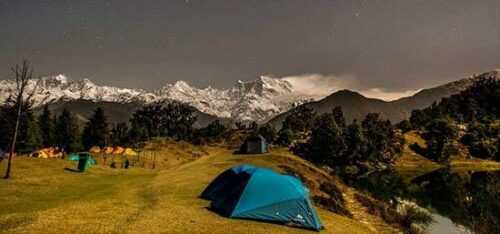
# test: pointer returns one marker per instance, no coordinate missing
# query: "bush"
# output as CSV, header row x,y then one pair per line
x,y
378,208
408,216
333,191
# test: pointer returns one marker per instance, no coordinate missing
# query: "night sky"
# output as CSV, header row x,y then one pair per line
x,y
393,44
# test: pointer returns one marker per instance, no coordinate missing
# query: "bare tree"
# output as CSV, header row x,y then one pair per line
x,y
23,74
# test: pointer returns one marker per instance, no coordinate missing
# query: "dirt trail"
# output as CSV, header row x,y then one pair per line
x,y
360,213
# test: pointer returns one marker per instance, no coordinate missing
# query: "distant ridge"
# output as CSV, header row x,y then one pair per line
x,y
356,106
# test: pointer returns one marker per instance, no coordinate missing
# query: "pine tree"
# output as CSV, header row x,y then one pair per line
x,y
96,130
119,134
214,130
285,136
338,116
327,143
300,119
33,139
137,132
46,127
355,142
268,132
68,132
438,136
380,139
26,129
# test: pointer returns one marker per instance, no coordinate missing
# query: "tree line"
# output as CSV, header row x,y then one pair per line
x,y
327,139
470,118
160,119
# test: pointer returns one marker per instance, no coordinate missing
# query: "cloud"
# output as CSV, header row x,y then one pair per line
x,y
387,95
319,86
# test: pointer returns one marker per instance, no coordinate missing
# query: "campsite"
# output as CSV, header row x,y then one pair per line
x,y
125,201
250,117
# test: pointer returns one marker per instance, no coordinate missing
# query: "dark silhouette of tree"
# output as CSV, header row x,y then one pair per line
x,y
138,131
381,141
120,134
300,119
146,121
285,136
338,116
327,144
46,126
163,119
96,131
26,129
354,149
177,120
481,139
355,143
404,126
268,132
439,134
215,129
68,132
477,103
32,138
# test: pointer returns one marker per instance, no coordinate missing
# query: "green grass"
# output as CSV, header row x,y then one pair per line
x,y
42,197
410,164
41,189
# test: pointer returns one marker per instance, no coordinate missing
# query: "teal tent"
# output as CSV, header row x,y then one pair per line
x,y
76,157
250,192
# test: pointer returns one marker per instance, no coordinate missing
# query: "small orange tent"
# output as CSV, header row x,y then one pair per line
x,y
95,149
129,152
108,150
118,150
50,152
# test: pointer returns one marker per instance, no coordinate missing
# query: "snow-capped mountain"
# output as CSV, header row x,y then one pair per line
x,y
257,100
55,88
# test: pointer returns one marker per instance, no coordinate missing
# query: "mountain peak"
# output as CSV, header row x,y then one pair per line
x,y
56,80
181,83
347,93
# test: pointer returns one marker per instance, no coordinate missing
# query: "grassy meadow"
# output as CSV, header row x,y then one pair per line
x,y
47,196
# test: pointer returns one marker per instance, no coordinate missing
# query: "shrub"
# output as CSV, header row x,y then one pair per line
x,y
332,190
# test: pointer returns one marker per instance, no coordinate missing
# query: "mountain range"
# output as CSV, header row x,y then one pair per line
x,y
257,100
261,100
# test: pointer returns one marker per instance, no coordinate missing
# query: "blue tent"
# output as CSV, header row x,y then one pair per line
x,y
76,157
250,192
